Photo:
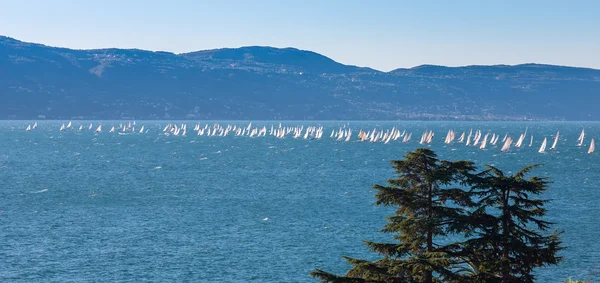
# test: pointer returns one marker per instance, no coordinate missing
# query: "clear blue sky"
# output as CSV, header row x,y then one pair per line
x,y
382,34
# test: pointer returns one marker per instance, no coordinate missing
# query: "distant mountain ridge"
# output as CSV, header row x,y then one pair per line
x,y
256,82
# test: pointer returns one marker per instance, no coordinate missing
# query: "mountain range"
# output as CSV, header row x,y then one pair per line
x,y
265,83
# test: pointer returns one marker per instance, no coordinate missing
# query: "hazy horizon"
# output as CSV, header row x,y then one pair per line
x,y
382,35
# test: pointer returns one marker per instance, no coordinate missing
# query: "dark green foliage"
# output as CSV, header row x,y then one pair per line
x,y
499,219
430,206
507,243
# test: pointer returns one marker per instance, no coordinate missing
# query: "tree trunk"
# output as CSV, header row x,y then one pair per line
x,y
505,235
428,274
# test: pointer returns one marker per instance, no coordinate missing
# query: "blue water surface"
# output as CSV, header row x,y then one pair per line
x,y
78,207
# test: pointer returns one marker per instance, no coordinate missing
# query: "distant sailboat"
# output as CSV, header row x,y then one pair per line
x,y
592,147
543,147
99,129
62,127
477,137
507,143
112,130
555,141
484,142
581,138
142,130
531,141
28,128
521,139
69,125
81,127
90,127
34,125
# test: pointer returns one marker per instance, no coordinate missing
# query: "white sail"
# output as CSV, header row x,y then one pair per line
x,y
90,127
28,128
484,142
34,125
112,130
429,137
581,138
592,147
349,135
543,147
555,141
99,129
81,127
476,138
531,141
142,130
69,125
507,143
520,140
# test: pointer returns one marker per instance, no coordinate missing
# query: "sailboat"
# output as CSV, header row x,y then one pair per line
x,y
592,147
34,125
28,128
62,127
581,137
142,130
477,137
112,130
531,141
555,141
543,147
81,127
90,127
507,144
69,125
521,138
99,129
484,142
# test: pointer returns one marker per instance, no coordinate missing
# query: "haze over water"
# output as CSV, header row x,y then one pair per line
x,y
149,207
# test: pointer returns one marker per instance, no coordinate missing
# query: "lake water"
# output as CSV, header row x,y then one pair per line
x,y
77,206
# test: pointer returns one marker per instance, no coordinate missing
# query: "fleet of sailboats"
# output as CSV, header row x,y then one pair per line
x,y
474,137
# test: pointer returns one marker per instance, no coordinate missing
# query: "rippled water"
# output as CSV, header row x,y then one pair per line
x,y
76,207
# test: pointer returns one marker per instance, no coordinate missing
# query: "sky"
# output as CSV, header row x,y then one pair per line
x,y
381,34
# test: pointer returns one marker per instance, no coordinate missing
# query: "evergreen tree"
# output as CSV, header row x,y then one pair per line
x,y
431,205
507,244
